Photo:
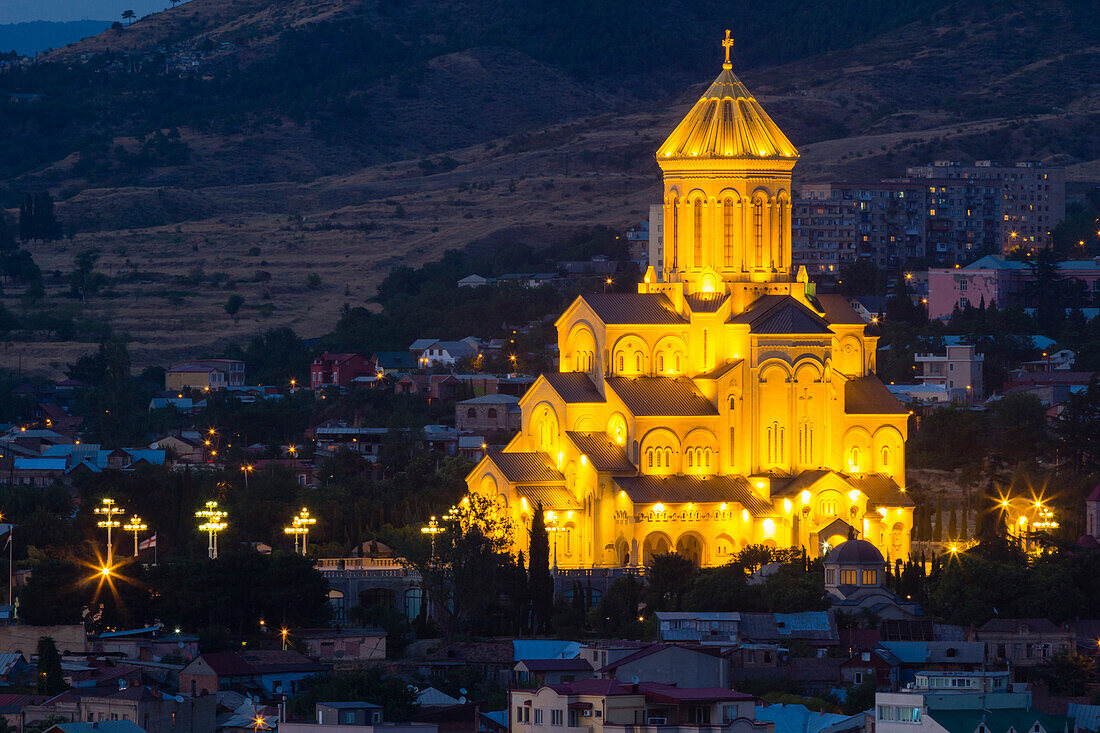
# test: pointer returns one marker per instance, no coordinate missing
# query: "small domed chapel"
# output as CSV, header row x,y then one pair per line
x,y
726,403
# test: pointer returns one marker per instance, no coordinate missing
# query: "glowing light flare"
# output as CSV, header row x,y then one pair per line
x,y
658,508
768,527
787,505
854,495
744,515
805,496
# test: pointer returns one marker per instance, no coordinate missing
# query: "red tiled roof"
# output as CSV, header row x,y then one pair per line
x,y
673,694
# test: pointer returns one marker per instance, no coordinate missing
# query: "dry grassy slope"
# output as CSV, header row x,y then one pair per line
x,y
244,191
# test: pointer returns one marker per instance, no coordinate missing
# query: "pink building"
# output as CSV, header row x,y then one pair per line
x,y
993,279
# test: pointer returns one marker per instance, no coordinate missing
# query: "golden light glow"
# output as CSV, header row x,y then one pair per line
x,y
658,507
584,460
723,507
787,505
854,494
768,527
805,496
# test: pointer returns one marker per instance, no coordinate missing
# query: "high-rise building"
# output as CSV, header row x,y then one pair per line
x,y
725,403
1031,197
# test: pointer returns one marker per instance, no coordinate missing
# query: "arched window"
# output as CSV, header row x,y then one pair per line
x,y
471,413
781,215
690,458
885,457
677,363
675,231
660,362
668,457
492,413
649,457
637,361
853,461
727,233
698,233
620,363
706,456
758,231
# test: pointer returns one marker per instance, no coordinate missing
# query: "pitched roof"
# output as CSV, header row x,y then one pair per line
x,y
604,453
527,467
727,122
780,314
556,665
881,490
659,396
592,687
641,308
838,310
869,396
573,386
705,302
660,692
550,497
655,649
683,489
1013,625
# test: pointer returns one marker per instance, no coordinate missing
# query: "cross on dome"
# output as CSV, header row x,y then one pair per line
x,y
727,42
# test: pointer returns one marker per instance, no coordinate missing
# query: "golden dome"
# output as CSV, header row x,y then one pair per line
x,y
727,122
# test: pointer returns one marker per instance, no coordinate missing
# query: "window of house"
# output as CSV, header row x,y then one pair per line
x,y
859,678
492,413
556,717
471,412
870,577
848,577
538,716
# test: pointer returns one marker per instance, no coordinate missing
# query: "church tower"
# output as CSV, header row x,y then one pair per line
x,y
727,190
727,404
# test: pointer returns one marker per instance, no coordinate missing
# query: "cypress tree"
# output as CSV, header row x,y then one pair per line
x,y
937,533
48,679
539,581
952,525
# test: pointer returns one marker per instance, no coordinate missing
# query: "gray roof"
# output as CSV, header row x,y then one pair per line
x,y
938,652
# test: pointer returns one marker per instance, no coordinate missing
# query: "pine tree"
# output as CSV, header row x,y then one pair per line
x,y
45,220
540,582
937,533
952,525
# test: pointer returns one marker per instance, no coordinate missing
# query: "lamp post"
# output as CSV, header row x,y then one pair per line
x,y
432,529
552,527
246,469
108,510
214,523
135,525
299,526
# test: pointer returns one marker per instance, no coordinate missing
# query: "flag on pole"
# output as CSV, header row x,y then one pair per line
x,y
148,544
5,532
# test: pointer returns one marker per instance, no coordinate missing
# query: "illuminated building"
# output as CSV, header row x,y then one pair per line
x,y
725,403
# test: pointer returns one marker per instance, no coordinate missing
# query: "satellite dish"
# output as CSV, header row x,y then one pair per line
x,y
462,700
412,688
634,680
461,690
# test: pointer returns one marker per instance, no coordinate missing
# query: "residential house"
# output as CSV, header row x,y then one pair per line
x,y
671,664
275,672
800,719
150,644
475,281
444,353
205,375
15,670
911,657
921,711
713,627
959,369
868,665
184,448
352,717
1024,643
489,412
538,672
339,370
610,706
388,362
346,645
994,279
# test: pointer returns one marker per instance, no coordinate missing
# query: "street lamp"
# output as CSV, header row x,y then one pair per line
x,y
299,526
246,469
215,522
552,526
108,510
135,525
432,529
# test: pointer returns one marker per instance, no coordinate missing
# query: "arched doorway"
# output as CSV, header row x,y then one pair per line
x,y
656,543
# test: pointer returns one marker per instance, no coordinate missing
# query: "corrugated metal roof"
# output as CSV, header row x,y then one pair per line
x,y
869,396
521,468
604,453
706,302
573,386
780,314
551,497
881,490
629,308
683,489
657,396
1000,720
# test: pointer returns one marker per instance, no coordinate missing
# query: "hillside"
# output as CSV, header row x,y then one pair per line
x,y
342,137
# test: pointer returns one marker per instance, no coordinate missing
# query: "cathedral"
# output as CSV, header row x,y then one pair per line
x,y
725,403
